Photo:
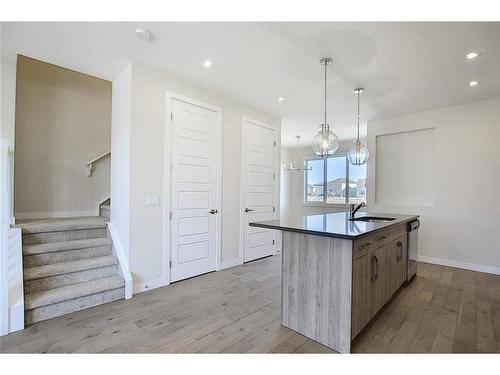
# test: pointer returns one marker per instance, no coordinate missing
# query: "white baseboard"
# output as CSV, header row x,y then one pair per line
x,y
149,285
457,264
117,245
16,317
54,215
230,263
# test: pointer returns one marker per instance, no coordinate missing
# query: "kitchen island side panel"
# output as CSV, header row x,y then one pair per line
x,y
317,288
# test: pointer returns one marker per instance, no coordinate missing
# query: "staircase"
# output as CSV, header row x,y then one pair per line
x,y
104,209
69,265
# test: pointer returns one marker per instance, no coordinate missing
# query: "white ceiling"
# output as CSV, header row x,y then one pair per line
x,y
404,67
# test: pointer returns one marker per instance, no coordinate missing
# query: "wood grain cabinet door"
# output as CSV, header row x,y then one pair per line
x,y
362,269
380,279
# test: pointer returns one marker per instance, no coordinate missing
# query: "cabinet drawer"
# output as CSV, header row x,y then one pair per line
x,y
368,243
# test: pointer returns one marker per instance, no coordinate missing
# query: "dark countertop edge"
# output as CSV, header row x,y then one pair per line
x,y
333,235
312,232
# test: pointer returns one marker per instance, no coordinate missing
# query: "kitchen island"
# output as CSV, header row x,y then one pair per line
x,y
338,272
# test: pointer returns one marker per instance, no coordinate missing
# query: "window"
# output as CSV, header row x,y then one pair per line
x,y
335,181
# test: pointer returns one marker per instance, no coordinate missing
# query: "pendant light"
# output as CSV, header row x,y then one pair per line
x,y
358,154
300,166
325,142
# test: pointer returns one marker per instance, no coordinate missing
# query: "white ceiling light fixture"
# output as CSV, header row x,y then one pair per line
x,y
474,83
358,154
300,166
281,99
143,34
207,63
325,142
473,55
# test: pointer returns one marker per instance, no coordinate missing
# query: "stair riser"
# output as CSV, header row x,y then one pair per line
x,y
77,304
38,285
66,256
67,235
104,212
70,292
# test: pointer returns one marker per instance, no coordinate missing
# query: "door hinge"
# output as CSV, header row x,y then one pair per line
x,y
274,209
274,143
170,215
274,176
171,116
169,264
273,242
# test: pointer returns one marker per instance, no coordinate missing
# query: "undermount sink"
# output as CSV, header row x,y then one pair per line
x,y
373,219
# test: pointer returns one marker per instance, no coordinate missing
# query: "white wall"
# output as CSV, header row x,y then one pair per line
x,y
461,215
120,157
4,222
285,183
294,188
8,112
147,152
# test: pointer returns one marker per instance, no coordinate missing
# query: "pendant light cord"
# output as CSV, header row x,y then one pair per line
x,y
326,66
358,115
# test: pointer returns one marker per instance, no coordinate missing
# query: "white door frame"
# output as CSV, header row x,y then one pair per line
x,y
277,170
167,166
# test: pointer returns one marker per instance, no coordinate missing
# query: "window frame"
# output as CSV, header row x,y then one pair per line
x,y
305,202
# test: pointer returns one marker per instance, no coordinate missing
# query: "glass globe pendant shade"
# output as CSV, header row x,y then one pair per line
x,y
358,154
325,142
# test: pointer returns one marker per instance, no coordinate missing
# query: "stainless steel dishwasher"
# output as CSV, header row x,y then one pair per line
x,y
412,249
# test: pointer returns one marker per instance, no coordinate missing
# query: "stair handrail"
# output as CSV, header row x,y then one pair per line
x,y
90,163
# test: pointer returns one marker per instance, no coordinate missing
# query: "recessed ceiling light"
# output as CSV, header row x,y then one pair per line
x,y
474,83
207,63
281,99
142,34
472,55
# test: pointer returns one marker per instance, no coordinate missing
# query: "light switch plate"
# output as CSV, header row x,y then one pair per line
x,y
152,200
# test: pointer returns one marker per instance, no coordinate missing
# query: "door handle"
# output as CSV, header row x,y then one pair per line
x,y
213,211
399,258
248,209
364,245
373,275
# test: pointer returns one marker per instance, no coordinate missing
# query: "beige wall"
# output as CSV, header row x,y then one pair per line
x,y
63,119
147,225
458,202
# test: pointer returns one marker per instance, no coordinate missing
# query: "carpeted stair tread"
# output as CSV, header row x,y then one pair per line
x,y
66,307
58,225
54,269
49,247
65,293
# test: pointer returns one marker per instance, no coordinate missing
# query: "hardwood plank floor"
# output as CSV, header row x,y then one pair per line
x,y
444,310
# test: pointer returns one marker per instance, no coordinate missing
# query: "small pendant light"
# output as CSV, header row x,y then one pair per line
x,y
358,154
300,166
325,142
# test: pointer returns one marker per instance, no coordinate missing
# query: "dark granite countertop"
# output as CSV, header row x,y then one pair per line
x,y
336,224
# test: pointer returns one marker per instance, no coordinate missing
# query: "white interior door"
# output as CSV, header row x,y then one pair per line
x,y
195,223
259,152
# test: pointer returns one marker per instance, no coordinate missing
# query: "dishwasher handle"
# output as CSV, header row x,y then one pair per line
x,y
413,225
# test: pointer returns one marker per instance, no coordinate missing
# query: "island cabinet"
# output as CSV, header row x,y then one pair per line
x,y
376,276
337,273
333,287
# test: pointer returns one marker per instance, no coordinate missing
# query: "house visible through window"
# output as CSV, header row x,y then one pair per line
x,y
335,181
